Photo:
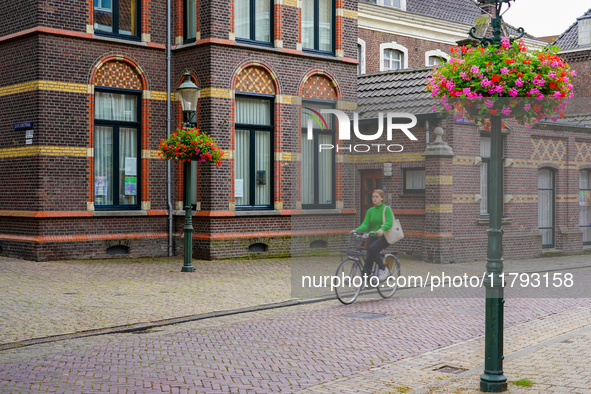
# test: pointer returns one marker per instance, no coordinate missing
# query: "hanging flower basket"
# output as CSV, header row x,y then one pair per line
x,y
188,143
507,81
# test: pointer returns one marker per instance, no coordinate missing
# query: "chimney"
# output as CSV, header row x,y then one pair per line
x,y
584,23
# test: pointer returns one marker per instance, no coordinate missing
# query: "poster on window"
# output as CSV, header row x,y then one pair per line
x,y
581,198
100,185
588,198
130,166
131,186
238,188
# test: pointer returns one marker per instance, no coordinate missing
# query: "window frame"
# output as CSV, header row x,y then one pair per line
x,y
361,47
252,129
315,133
317,30
486,160
185,24
381,3
588,172
252,22
405,190
396,47
553,213
115,16
116,124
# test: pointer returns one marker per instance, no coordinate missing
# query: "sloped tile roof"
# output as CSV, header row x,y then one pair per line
x,y
394,91
570,38
461,11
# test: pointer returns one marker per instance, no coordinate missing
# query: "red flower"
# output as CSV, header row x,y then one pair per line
x,y
454,49
494,111
464,49
496,78
509,61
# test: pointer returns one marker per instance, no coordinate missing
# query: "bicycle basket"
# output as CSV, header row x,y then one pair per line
x,y
356,242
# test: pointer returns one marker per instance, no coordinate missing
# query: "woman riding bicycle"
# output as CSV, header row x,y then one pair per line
x,y
374,222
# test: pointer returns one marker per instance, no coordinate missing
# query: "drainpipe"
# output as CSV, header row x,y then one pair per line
x,y
168,124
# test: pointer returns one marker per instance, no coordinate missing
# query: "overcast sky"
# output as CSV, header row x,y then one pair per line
x,y
545,17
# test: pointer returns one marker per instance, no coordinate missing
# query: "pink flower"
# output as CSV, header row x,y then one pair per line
x,y
573,73
551,75
489,103
474,69
519,82
464,76
506,111
505,42
527,107
505,71
485,82
557,94
534,91
500,89
466,91
565,79
513,92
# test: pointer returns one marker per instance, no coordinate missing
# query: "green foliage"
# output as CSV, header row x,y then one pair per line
x,y
188,143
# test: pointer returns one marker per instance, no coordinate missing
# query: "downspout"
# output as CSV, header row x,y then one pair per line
x,y
168,125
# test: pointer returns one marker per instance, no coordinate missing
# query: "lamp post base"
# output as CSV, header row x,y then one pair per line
x,y
493,383
188,269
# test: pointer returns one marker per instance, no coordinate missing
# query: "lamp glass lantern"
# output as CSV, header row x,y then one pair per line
x,y
189,94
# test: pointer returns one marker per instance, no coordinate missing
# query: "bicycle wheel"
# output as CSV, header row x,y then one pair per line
x,y
388,287
350,281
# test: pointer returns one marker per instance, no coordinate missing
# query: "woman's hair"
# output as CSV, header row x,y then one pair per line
x,y
380,192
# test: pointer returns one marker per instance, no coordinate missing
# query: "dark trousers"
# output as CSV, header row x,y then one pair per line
x,y
374,247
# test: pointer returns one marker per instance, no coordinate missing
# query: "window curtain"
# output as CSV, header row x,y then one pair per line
x,y
484,154
325,171
128,176
191,19
307,170
585,204
263,20
545,202
415,180
242,168
253,111
103,165
262,162
325,19
113,106
308,24
242,18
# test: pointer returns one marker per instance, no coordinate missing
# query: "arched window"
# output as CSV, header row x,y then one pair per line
x,y
393,56
117,137
254,135
546,195
585,205
435,57
318,165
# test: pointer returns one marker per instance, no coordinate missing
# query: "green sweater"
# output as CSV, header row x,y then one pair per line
x,y
373,219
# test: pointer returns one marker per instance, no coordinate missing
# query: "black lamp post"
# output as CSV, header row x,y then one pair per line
x,y
493,379
189,94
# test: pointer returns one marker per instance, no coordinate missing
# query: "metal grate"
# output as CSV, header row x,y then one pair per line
x,y
450,369
365,315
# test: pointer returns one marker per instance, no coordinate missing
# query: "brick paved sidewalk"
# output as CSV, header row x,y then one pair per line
x,y
40,299
552,353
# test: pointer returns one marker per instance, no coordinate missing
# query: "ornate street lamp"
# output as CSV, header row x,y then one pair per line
x,y
493,378
189,94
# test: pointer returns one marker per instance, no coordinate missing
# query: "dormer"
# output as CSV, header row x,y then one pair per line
x,y
584,23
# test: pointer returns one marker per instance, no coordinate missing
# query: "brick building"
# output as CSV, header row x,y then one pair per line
x,y
83,93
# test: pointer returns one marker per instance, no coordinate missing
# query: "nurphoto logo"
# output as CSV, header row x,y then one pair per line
x,y
344,131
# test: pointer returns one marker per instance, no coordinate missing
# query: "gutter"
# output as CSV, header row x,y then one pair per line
x,y
168,125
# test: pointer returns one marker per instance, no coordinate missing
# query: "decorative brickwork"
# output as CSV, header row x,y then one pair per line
x,y
583,151
118,75
548,150
319,87
254,80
